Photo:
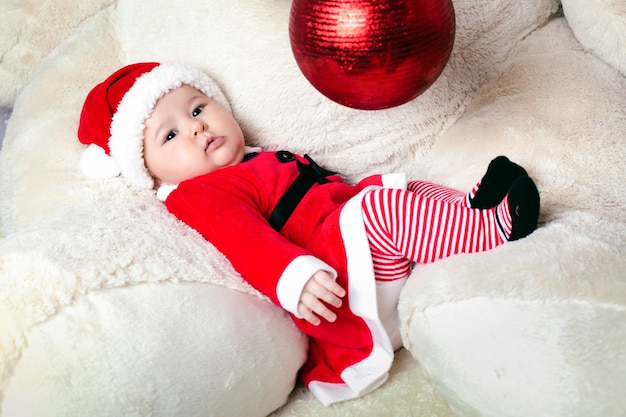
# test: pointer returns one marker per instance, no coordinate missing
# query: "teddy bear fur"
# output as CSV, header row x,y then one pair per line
x,y
109,306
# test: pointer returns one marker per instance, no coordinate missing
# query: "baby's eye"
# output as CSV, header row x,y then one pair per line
x,y
170,136
197,111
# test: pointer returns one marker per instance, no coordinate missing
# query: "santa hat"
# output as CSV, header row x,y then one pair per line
x,y
113,116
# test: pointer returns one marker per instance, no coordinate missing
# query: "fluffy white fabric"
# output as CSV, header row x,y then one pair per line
x,y
109,306
30,30
129,339
5,113
533,328
600,26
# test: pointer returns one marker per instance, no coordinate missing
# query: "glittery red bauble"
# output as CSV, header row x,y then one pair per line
x,y
371,54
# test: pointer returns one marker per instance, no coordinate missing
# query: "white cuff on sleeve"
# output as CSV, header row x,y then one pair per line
x,y
295,277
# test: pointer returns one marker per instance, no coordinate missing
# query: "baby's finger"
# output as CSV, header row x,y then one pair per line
x,y
307,314
337,289
318,307
327,281
324,312
323,293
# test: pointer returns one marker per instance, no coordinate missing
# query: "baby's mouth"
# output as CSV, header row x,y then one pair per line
x,y
213,143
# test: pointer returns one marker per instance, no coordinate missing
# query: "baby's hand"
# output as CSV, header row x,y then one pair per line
x,y
320,289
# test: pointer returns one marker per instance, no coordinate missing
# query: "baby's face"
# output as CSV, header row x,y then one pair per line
x,y
189,134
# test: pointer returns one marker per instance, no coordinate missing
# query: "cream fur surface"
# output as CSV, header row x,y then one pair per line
x,y
30,30
527,320
600,26
109,306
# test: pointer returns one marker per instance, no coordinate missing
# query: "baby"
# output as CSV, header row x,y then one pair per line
x,y
332,254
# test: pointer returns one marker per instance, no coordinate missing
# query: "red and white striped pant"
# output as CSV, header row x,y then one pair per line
x,y
425,223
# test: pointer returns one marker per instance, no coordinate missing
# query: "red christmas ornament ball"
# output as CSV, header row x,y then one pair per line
x,y
371,54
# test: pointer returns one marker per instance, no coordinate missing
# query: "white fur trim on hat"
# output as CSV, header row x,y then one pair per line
x,y
127,126
97,165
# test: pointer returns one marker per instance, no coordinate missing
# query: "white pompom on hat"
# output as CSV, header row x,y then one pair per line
x,y
113,118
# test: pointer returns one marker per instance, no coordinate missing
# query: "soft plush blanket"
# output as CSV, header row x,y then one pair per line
x,y
109,306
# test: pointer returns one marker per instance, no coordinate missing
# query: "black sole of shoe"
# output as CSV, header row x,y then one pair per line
x,y
524,202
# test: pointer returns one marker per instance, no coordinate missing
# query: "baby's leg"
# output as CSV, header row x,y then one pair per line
x,y
487,192
403,226
387,296
440,192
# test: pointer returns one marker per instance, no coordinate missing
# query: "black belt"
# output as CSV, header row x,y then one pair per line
x,y
310,174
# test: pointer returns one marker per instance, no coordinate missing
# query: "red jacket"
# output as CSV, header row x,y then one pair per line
x,y
230,207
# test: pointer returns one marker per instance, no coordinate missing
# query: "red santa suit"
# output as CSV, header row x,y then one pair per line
x,y
230,207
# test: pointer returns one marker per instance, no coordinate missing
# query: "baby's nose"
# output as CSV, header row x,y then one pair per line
x,y
198,127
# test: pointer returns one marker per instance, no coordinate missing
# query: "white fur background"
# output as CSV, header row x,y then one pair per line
x,y
5,113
